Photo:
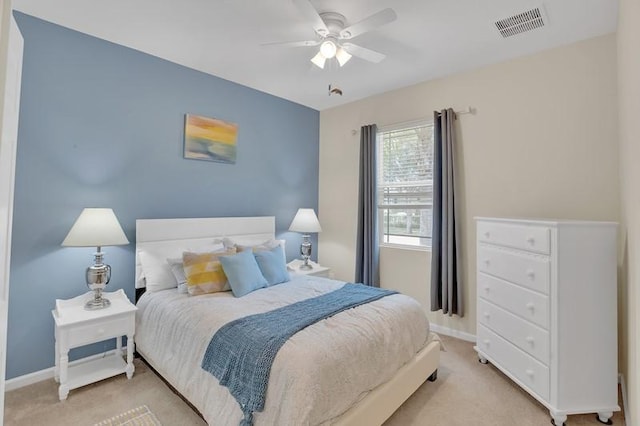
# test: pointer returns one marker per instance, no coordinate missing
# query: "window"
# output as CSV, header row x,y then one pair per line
x,y
405,184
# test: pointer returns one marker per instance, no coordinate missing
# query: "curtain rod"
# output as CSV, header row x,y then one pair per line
x,y
468,110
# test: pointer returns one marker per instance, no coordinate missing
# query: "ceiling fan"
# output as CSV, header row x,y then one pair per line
x,y
331,34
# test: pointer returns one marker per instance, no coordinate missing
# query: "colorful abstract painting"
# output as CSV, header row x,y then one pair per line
x,y
209,139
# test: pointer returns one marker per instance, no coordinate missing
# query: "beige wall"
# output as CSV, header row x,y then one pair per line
x,y
543,143
629,114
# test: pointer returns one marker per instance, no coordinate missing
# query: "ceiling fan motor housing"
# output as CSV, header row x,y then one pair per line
x,y
335,22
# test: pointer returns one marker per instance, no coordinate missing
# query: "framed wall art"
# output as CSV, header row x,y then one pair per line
x,y
210,139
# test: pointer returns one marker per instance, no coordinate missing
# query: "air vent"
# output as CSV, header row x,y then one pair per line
x,y
520,23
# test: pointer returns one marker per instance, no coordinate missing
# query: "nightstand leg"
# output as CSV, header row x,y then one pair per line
x,y
63,389
56,370
130,347
119,351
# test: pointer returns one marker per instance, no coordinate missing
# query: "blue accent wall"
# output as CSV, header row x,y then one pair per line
x,y
101,125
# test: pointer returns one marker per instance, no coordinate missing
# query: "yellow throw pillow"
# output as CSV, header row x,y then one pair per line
x,y
204,272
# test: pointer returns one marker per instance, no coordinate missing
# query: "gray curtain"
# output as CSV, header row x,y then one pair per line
x,y
367,250
446,283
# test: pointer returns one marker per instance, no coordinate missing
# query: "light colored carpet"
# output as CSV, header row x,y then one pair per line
x,y
140,416
466,393
38,404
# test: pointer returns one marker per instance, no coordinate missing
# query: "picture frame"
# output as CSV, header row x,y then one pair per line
x,y
210,139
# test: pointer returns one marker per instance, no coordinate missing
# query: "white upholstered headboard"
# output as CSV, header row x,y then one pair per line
x,y
183,232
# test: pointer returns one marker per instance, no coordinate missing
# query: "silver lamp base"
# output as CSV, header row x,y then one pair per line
x,y
305,251
98,276
97,303
305,266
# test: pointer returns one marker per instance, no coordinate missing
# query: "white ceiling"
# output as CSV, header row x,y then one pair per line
x,y
430,38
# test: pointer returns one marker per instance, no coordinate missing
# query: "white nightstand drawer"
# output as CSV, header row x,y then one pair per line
x,y
517,267
518,300
508,357
528,337
531,238
106,329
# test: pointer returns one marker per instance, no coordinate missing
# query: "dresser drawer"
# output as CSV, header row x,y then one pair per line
x,y
524,303
531,238
525,368
528,337
106,329
517,267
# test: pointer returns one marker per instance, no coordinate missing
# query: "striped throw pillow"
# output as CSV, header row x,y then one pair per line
x,y
204,272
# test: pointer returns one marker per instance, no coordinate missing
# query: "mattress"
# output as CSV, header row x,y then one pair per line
x,y
316,376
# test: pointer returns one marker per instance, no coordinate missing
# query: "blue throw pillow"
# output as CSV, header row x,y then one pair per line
x,y
273,265
243,273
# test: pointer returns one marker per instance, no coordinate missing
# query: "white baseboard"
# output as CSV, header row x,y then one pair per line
x,y
451,332
47,373
625,406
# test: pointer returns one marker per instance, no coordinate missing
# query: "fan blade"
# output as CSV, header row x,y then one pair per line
x,y
363,53
367,24
305,43
310,12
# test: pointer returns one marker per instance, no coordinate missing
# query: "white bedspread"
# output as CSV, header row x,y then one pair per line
x,y
316,376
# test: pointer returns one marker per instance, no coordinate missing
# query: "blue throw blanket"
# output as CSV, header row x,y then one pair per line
x,y
241,352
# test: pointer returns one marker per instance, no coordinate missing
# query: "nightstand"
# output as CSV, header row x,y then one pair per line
x,y
318,271
75,326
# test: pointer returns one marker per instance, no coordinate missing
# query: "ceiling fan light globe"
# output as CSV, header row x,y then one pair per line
x,y
328,49
342,56
319,60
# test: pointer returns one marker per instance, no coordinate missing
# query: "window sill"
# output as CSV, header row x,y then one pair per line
x,y
405,247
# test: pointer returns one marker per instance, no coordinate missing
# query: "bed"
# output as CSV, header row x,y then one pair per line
x,y
354,368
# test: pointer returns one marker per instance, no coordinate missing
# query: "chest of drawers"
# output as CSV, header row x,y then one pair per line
x,y
547,310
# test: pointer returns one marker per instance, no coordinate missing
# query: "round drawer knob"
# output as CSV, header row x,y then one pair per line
x,y
486,342
487,234
530,306
531,274
100,331
487,288
530,340
531,240
486,315
530,373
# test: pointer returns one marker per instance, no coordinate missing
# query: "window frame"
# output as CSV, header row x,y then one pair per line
x,y
390,128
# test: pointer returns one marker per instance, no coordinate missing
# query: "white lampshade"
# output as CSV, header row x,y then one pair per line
x,y
96,227
342,56
319,60
305,221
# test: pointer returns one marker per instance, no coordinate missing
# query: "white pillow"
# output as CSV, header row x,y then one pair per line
x,y
177,269
155,270
243,244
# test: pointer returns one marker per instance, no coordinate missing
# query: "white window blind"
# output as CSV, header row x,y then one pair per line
x,y
405,185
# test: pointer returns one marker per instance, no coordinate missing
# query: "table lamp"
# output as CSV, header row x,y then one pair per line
x,y
305,222
96,227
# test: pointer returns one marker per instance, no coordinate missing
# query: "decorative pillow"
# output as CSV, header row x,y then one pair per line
x,y
177,269
272,265
242,245
243,273
154,272
204,272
